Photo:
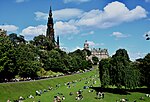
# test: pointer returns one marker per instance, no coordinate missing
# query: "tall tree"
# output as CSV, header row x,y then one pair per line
x,y
7,59
104,71
119,71
144,66
43,42
27,61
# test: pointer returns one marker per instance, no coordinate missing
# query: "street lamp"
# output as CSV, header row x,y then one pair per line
x,y
147,36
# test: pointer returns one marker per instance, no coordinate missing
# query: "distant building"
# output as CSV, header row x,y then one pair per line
x,y
50,30
99,53
86,45
3,32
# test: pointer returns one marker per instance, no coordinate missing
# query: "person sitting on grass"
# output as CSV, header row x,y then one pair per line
x,y
70,93
31,96
100,95
63,98
58,99
142,98
37,93
49,88
8,100
55,98
79,95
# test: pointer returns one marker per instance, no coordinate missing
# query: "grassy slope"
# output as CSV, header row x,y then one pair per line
x,y
14,90
88,97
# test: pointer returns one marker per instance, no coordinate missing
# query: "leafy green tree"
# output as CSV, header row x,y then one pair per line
x,y
144,66
120,61
104,71
132,76
119,71
7,59
27,61
15,39
43,42
88,52
95,60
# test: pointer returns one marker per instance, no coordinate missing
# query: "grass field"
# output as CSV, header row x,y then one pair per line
x,y
12,91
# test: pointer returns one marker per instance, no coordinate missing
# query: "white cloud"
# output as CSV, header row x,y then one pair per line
x,y
41,16
73,21
93,44
147,0
9,28
77,20
60,28
148,33
88,33
119,35
67,13
63,14
111,15
136,55
77,47
77,1
33,31
19,1
65,28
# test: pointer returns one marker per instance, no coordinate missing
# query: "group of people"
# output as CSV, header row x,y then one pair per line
x,y
58,98
70,85
79,95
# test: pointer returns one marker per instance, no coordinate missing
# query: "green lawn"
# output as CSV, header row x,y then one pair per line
x,y
14,90
88,97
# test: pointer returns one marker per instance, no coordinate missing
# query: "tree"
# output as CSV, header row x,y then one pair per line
x,y
16,39
27,61
119,71
132,76
119,62
7,59
104,71
88,52
43,42
144,66
95,60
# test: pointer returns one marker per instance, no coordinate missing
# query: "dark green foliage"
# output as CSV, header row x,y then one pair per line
x,y
79,60
7,59
16,39
119,71
43,42
88,52
95,60
144,66
104,67
25,59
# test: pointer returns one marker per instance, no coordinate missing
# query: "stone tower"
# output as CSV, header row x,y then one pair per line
x,y
57,41
50,27
50,30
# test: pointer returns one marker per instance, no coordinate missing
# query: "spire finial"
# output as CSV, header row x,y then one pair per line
x,y
50,4
50,11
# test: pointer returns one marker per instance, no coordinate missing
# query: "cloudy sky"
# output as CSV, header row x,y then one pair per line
x,y
110,24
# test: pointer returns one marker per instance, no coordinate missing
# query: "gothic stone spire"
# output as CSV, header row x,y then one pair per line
x,y
50,29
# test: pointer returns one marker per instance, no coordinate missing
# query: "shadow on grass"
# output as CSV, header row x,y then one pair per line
x,y
121,91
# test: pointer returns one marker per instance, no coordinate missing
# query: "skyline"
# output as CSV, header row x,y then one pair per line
x,y
110,24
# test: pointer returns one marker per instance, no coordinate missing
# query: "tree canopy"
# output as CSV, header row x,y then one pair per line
x,y
26,59
119,71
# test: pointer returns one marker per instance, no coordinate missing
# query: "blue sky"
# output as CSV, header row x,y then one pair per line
x,y
110,24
